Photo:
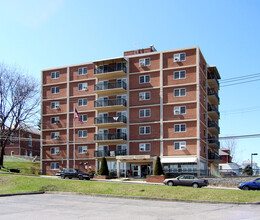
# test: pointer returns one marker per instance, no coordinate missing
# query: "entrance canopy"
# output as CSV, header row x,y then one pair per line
x,y
179,160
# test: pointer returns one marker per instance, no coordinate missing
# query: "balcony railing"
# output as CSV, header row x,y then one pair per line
x,y
212,140
110,102
213,92
212,124
110,68
111,85
106,120
213,76
109,137
213,108
213,156
109,153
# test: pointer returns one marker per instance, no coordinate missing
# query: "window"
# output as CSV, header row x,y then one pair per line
x,y
144,96
30,140
83,86
12,138
179,57
144,147
55,105
180,128
82,134
55,150
179,92
83,117
55,90
55,166
55,120
144,79
55,135
83,71
55,75
180,145
82,149
144,62
82,102
143,113
179,110
180,74
145,130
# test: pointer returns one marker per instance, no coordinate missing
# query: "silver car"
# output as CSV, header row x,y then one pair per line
x,y
186,180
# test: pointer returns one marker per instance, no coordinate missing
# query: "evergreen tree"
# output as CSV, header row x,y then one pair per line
x,y
158,167
248,170
103,168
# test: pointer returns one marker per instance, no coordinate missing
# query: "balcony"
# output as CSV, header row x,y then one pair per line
x,y
110,138
213,81
109,153
107,122
213,96
213,142
110,104
213,112
110,88
213,127
214,157
111,71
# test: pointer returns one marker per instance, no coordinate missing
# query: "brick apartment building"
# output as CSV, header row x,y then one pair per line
x,y
133,108
25,141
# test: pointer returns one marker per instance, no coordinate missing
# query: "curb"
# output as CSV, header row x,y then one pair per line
x,y
151,198
21,194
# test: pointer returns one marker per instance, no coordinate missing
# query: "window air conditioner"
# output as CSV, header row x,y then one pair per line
x,y
176,112
86,88
57,137
57,107
84,150
142,63
176,59
182,148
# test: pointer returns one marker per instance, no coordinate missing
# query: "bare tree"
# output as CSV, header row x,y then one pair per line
x,y
19,104
231,145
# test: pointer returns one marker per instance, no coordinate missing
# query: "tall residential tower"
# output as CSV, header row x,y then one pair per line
x,y
132,109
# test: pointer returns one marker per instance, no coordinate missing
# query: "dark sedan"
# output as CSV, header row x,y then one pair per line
x,y
253,185
74,173
186,180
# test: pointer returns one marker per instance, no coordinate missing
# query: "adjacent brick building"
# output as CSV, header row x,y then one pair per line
x,y
134,108
25,141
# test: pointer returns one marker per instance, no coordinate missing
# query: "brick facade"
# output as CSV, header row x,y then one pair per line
x,y
137,107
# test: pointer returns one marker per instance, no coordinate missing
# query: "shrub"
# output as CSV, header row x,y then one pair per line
x,y
103,168
112,174
248,170
158,167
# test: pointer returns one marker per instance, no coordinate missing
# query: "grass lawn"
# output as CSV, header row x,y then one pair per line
x,y
25,167
18,184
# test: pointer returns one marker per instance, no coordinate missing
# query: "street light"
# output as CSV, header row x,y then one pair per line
x,y
253,154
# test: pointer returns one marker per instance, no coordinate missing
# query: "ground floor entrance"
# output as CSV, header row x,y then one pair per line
x,y
140,171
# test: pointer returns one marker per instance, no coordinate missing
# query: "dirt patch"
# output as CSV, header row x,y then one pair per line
x,y
49,188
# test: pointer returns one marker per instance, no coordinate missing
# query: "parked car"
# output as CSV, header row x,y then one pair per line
x,y
58,173
74,173
186,180
253,185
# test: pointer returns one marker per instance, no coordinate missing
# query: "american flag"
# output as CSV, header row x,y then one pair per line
x,y
76,115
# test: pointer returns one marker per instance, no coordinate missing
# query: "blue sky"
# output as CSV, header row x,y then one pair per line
x,y
43,34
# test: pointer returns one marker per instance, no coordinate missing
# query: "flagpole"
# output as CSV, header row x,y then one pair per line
x,y
74,144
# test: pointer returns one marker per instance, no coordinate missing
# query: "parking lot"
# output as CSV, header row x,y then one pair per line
x,y
60,206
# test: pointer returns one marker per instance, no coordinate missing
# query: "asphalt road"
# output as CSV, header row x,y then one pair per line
x,y
56,206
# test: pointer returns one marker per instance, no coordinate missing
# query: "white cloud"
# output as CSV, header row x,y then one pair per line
x,y
30,13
